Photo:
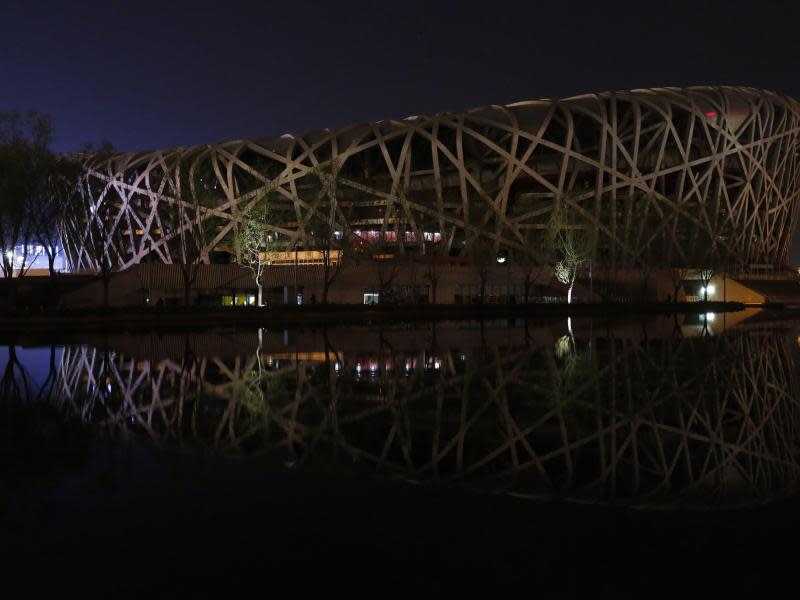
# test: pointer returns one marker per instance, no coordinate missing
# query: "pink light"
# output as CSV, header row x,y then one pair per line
x,y
711,114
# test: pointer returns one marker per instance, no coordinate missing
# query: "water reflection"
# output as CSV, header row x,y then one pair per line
x,y
637,415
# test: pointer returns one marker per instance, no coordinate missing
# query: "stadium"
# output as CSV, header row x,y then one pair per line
x,y
461,207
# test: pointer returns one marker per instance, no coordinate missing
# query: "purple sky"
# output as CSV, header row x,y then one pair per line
x,y
150,74
154,74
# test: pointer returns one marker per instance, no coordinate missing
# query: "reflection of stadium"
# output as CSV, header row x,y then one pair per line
x,y
661,177
669,419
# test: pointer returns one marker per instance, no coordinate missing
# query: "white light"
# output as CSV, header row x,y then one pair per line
x,y
9,254
710,289
710,317
703,291
501,259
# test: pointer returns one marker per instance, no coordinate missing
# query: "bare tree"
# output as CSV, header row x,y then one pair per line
x,y
90,216
645,269
388,270
256,239
99,227
431,275
481,258
331,229
536,259
184,218
677,275
63,185
573,245
712,255
706,275
25,165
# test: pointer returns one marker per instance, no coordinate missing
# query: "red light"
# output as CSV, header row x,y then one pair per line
x,y
711,114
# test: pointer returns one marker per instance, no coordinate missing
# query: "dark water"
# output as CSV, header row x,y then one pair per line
x,y
580,457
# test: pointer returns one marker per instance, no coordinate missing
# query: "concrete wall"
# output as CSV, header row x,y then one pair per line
x,y
400,282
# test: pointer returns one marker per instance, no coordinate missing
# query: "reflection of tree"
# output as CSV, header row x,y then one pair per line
x,y
569,372
636,421
15,383
17,386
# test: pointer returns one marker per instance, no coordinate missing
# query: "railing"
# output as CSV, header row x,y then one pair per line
x,y
762,276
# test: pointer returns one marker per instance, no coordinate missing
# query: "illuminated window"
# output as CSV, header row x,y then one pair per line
x,y
371,298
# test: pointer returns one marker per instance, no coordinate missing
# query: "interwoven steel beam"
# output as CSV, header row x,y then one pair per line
x,y
657,174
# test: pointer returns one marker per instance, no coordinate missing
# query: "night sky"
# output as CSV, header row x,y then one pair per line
x,y
151,74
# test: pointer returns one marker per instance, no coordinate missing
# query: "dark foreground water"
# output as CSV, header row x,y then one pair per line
x,y
580,458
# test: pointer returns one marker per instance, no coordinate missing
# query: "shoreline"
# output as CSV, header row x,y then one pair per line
x,y
335,314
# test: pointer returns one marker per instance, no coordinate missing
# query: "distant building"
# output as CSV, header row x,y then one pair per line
x,y
33,259
701,177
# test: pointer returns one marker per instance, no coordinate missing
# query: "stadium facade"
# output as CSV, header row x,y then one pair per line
x,y
658,178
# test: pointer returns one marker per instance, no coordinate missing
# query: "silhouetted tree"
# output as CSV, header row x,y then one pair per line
x,y
184,216
330,233
25,168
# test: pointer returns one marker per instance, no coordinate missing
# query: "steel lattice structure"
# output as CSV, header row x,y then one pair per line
x,y
694,421
669,173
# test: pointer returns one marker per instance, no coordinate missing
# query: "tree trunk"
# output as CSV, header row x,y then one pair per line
x,y
260,299
527,297
185,284
571,284
325,276
51,266
11,286
325,280
106,282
